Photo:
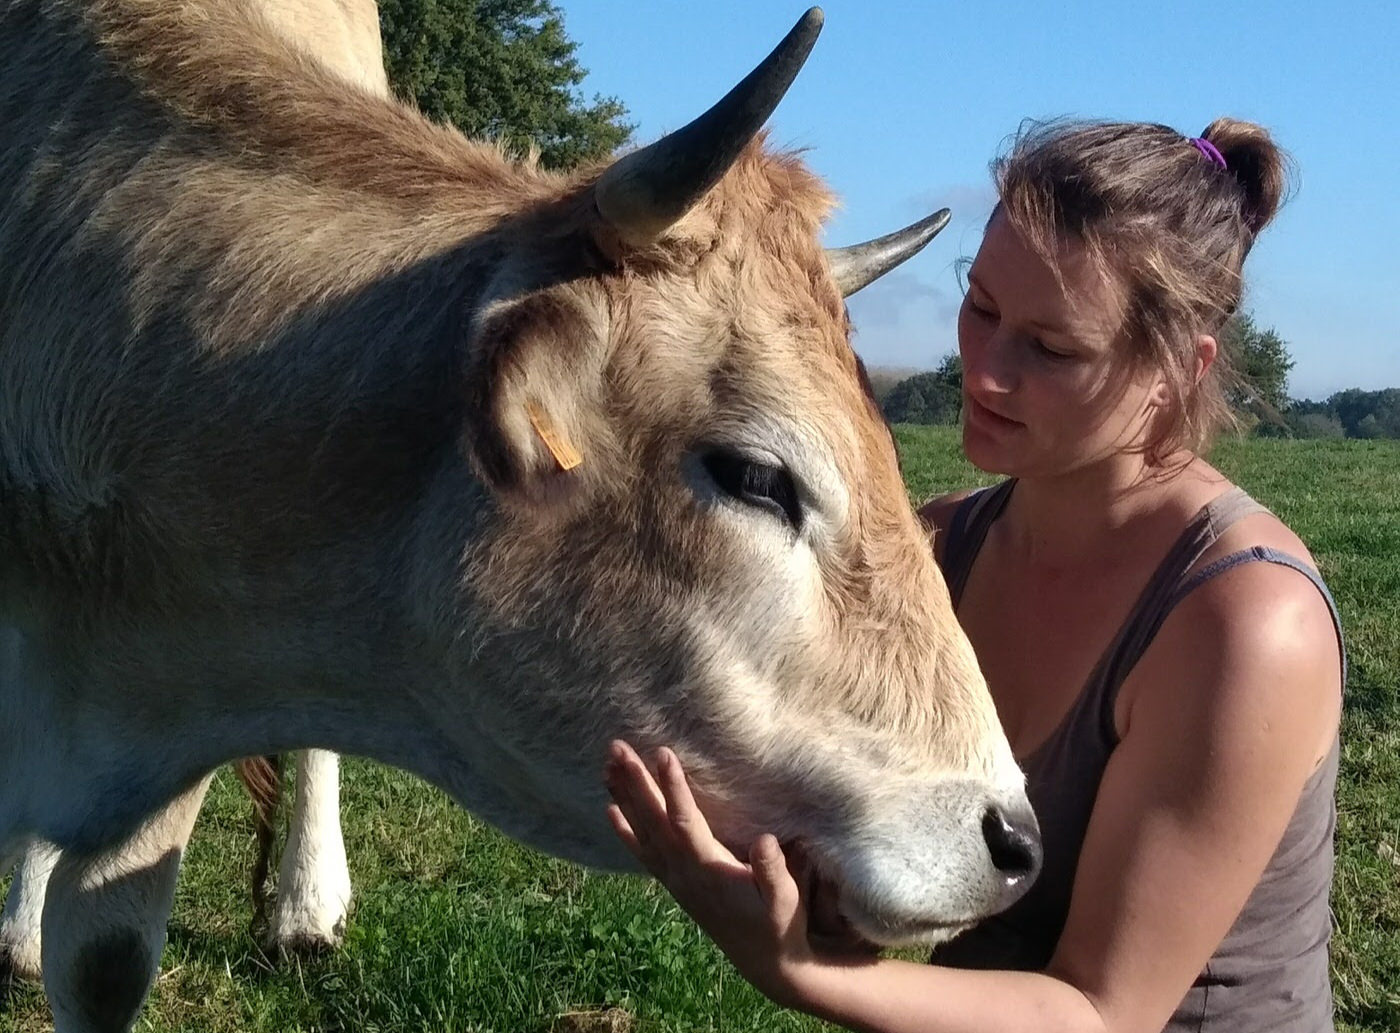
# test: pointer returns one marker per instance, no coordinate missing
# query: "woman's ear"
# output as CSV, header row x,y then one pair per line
x,y
1160,397
1206,351
1207,348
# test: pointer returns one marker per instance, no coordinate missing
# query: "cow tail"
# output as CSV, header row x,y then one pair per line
x,y
262,777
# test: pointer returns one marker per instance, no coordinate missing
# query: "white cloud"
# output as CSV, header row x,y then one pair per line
x,y
971,203
902,320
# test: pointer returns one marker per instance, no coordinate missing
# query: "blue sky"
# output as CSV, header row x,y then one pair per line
x,y
902,105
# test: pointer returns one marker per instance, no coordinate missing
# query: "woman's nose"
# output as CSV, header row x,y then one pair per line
x,y
987,367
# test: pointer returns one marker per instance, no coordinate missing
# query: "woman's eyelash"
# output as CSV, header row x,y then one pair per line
x,y
1048,352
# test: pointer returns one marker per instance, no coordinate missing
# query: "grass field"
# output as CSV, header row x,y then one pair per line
x,y
456,929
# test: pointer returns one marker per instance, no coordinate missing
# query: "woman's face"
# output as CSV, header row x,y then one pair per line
x,y
1047,384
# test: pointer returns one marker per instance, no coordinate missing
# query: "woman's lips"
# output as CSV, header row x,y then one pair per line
x,y
985,417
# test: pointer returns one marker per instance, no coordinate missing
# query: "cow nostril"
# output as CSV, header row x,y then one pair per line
x,y
1014,843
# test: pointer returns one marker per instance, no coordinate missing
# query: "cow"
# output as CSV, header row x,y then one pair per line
x,y
314,891
321,425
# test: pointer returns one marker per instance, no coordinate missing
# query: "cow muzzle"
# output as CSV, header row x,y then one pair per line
x,y
925,872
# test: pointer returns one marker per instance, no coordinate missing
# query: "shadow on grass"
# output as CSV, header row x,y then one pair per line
x,y
1367,694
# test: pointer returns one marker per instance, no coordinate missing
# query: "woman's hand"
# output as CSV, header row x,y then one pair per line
x,y
752,910
756,914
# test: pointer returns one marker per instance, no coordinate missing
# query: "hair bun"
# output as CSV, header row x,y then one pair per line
x,y
1261,168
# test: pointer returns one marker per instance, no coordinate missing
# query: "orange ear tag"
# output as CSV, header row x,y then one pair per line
x,y
564,453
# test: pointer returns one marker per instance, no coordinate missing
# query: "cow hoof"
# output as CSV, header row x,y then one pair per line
x,y
304,945
307,941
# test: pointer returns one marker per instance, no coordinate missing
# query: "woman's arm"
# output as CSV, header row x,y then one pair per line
x,y
1230,711
1231,703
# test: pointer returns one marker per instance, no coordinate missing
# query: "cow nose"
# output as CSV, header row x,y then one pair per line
x,y
1014,842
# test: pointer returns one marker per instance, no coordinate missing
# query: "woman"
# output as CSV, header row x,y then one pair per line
x,y
1164,658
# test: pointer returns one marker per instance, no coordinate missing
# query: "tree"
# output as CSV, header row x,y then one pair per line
x,y
1261,361
950,371
930,398
1370,427
1316,425
883,380
499,69
1367,414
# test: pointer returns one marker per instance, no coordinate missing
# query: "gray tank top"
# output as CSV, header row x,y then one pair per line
x,y
1270,973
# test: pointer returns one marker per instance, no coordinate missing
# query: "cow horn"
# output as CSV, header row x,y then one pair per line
x,y
643,193
855,266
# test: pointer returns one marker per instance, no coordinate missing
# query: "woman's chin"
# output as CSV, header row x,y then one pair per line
x,y
985,452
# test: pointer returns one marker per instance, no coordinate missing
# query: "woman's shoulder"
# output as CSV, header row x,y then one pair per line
x,y
937,512
1242,523
1258,638
1247,530
1260,528
1255,626
1244,581
937,515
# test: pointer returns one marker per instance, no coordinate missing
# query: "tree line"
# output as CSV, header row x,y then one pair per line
x,y
1352,413
1257,390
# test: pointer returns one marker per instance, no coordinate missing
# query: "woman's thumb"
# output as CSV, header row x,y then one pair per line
x,y
775,883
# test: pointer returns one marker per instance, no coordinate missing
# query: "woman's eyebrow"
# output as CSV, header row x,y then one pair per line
x,y
1049,329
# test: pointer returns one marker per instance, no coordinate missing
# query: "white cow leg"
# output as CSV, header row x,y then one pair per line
x,y
104,921
24,907
313,883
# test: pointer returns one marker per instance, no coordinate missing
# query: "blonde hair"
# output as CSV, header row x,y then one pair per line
x,y
1174,226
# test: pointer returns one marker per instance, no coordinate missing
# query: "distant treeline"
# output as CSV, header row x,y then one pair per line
x,y
1352,413
928,398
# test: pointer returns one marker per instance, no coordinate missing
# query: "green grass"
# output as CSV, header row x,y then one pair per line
x,y
457,929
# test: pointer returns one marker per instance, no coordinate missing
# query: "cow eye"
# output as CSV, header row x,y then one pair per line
x,y
756,484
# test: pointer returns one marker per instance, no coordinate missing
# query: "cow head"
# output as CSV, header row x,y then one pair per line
x,y
697,535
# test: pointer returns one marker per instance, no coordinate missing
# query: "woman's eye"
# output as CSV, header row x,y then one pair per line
x,y
1049,353
756,484
984,313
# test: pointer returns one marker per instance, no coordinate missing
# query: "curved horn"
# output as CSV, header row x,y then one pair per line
x,y
643,193
855,266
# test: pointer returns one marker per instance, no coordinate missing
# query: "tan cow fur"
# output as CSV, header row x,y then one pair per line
x,y
341,34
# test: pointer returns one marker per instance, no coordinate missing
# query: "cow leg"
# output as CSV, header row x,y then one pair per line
x,y
313,883
104,921
24,907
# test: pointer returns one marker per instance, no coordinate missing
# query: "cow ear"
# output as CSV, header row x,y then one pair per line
x,y
531,397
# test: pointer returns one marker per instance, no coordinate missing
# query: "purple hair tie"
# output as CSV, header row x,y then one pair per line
x,y
1209,150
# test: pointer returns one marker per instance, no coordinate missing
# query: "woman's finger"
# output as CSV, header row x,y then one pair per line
x,y
777,886
647,811
652,860
623,828
687,821
637,827
625,825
